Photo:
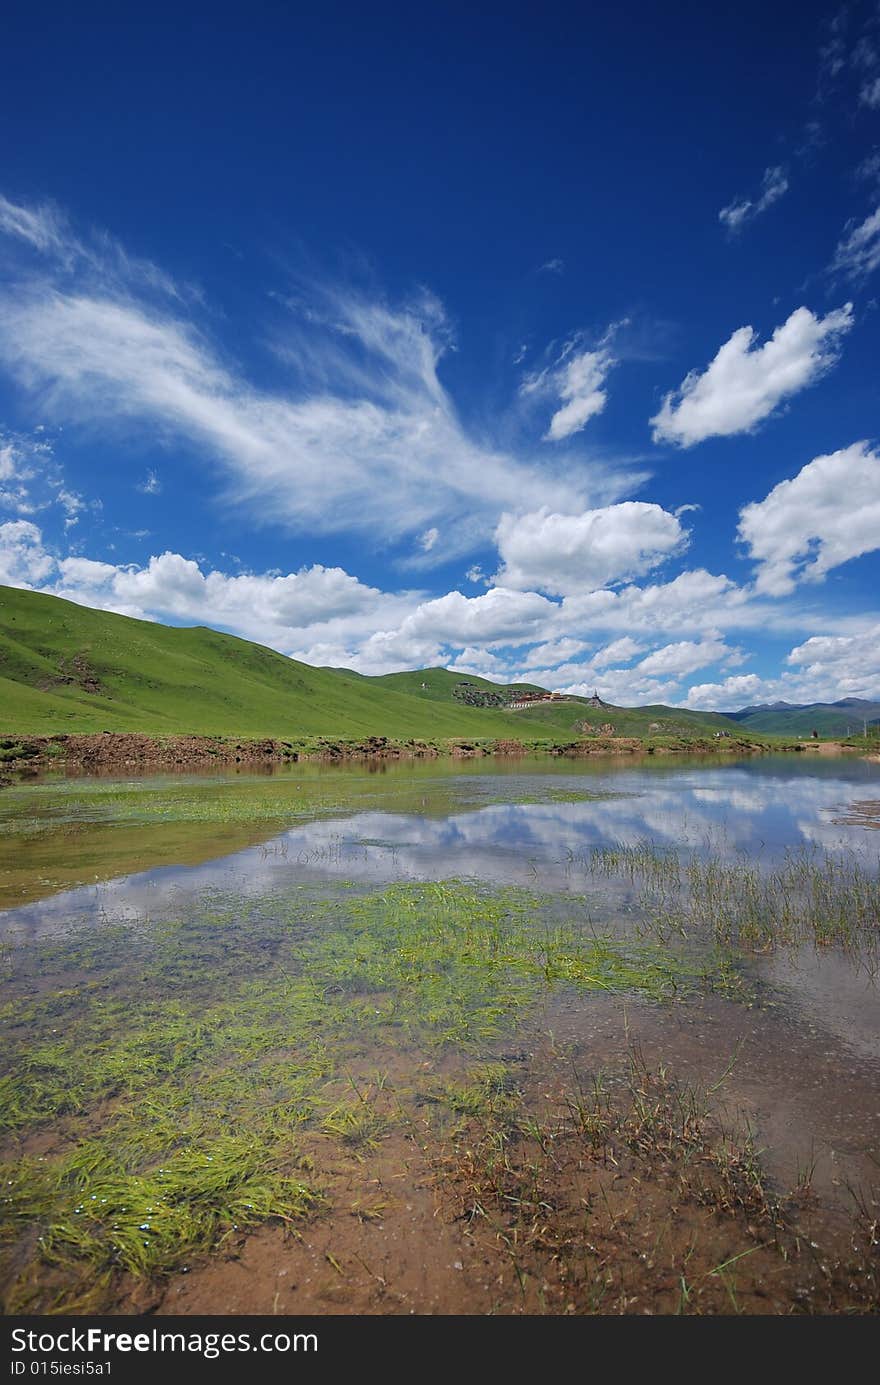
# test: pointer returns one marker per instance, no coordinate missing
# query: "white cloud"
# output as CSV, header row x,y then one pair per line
x,y
580,384
429,539
366,438
617,652
23,560
656,678
858,253
327,616
501,616
328,462
869,168
151,485
686,656
622,687
481,663
870,94
827,514
695,601
32,480
774,185
73,505
302,613
554,266
741,690
564,553
848,663
41,227
577,379
554,652
171,585
745,382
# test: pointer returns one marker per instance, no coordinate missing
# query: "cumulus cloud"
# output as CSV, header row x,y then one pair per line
x,y
654,678
617,652
774,185
173,586
501,616
845,662
326,616
827,514
696,601
740,690
686,656
23,560
567,553
746,382
858,253
554,652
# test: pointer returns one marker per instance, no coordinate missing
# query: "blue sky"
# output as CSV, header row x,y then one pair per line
x,y
537,343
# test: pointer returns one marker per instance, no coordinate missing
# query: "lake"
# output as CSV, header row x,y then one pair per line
x,y
526,1035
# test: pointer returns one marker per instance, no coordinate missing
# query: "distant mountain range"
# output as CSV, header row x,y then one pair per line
x,y
848,715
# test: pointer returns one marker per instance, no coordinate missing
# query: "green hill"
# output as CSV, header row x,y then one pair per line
x,y
844,718
67,668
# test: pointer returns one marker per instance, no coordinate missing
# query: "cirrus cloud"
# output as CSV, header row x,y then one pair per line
x,y
365,437
774,185
858,253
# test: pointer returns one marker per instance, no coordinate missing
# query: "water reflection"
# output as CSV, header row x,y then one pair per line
x,y
756,810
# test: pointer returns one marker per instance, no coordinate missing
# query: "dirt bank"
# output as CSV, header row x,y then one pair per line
x,y
122,750
108,751
111,751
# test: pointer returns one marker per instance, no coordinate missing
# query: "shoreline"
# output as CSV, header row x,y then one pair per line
x,y
110,750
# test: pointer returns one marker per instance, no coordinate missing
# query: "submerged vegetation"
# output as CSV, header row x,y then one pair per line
x,y
166,1097
622,1192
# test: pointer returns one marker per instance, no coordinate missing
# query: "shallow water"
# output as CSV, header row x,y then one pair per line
x,y
94,871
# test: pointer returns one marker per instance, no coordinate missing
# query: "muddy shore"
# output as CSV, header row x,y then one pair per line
x,y
109,751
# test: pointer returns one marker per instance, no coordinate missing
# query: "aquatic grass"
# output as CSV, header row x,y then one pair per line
x,y
92,1208
246,1018
821,897
490,1092
624,1192
356,1124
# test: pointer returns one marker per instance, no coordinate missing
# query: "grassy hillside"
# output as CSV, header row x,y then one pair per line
x,y
435,684
65,667
655,720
